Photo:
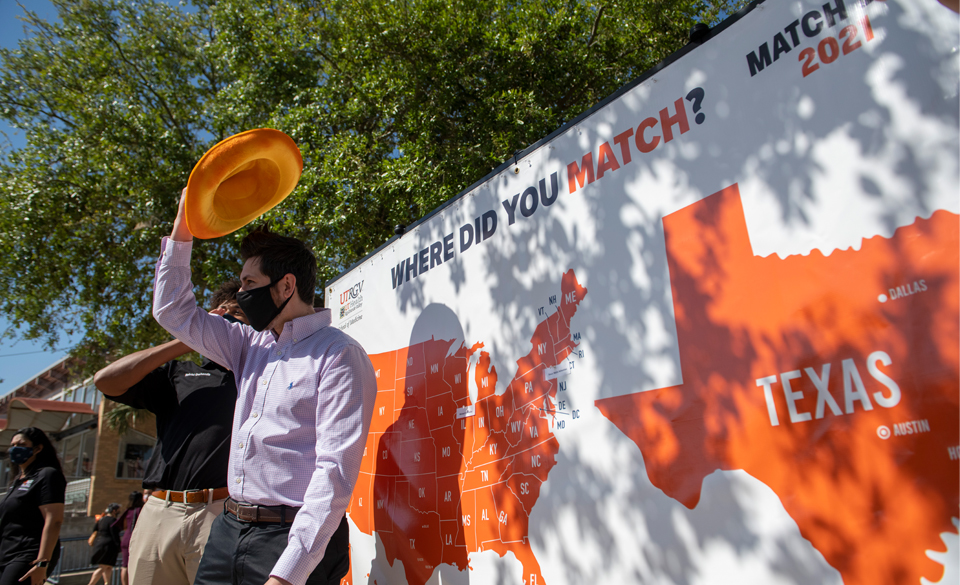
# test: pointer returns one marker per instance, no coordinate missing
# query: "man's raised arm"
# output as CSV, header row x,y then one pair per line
x,y
121,375
175,306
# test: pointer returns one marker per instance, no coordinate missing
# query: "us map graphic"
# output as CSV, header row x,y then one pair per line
x,y
833,379
443,476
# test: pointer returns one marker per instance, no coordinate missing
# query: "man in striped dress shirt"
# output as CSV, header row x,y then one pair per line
x,y
305,400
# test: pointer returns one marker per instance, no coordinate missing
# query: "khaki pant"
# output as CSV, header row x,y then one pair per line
x,y
168,541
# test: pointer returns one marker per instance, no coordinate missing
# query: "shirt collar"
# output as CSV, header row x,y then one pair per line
x,y
303,327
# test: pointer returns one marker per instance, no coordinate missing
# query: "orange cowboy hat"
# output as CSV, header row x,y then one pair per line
x,y
240,179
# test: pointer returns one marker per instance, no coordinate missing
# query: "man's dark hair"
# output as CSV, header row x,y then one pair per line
x,y
226,292
281,255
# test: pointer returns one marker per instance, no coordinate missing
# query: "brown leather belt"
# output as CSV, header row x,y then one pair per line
x,y
253,513
191,496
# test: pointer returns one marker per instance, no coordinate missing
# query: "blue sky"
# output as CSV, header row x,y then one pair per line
x,y
21,360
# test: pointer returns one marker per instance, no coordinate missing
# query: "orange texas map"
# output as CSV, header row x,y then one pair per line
x,y
832,379
443,476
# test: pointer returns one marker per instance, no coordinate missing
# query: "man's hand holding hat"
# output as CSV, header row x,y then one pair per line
x,y
181,231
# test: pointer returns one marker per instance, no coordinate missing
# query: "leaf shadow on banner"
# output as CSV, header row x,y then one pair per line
x,y
789,176
576,486
745,322
871,146
899,147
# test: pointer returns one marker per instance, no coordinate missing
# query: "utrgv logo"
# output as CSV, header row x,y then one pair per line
x,y
352,293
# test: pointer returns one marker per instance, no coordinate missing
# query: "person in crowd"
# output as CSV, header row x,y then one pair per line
x,y
306,396
125,524
187,474
105,541
31,512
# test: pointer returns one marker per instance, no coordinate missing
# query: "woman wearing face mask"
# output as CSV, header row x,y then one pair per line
x,y
32,511
106,545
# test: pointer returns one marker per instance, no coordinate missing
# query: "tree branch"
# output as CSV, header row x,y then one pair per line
x,y
596,23
146,83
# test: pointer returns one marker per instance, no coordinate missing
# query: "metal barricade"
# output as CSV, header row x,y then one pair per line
x,y
75,557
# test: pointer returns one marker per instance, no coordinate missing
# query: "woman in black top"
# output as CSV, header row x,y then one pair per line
x,y
32,511
106,545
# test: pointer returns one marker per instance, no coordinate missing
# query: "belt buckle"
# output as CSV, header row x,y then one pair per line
x,y
247,513
187,492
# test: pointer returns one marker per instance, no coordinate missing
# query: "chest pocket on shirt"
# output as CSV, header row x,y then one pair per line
x,y
295,402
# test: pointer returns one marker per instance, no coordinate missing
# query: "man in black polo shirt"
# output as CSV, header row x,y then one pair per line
x,y
188,470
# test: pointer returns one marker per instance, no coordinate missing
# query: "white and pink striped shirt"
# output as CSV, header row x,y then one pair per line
x,y
305,400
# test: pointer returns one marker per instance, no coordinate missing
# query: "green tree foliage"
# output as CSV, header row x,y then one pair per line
x,y
397,105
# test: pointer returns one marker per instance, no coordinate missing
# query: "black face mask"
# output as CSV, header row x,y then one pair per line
x,y
20,455
258,305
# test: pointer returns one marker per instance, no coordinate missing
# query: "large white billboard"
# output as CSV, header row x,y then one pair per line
x,y
708,333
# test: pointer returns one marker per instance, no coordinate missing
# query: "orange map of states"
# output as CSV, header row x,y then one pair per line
x,y
442,476
832,379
